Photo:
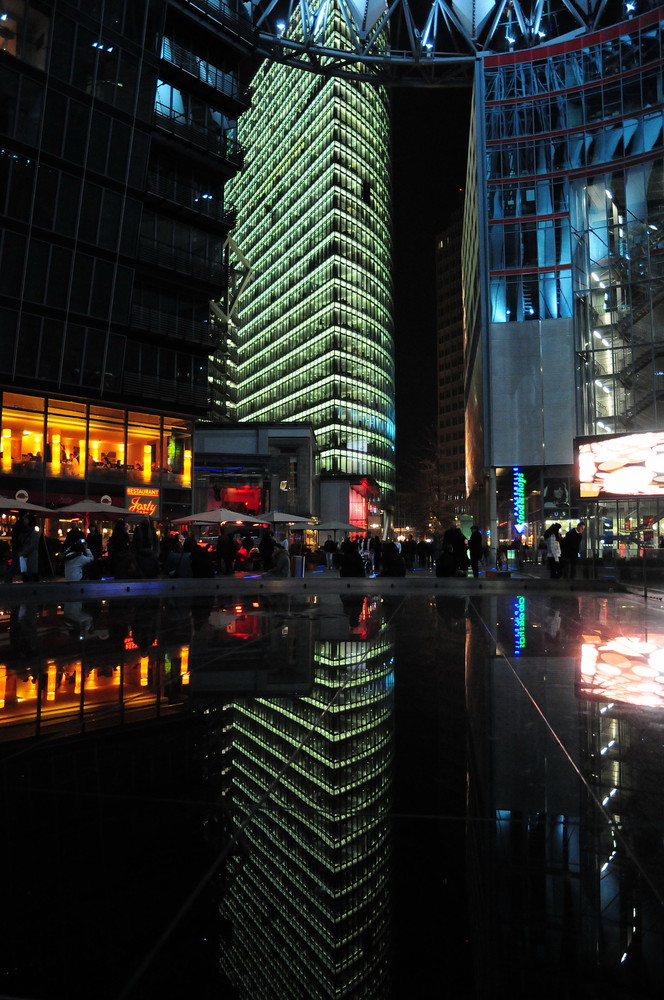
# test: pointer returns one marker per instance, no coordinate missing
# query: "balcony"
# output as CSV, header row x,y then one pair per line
x,y
224,83
174,327
188,199
173,259
239,23
149,387
212,141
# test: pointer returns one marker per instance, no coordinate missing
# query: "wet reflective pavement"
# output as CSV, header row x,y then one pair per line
x,y
315,795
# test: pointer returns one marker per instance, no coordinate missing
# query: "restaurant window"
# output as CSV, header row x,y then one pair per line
x,y
22,434
106,444
66,440
143,451
176,452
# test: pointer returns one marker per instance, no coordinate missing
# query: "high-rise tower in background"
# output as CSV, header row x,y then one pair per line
x,y
314,222
449,340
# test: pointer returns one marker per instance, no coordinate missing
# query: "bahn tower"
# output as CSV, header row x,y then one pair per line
x,y
314,222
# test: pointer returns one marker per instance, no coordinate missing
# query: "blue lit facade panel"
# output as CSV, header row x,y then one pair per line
x,y
573,180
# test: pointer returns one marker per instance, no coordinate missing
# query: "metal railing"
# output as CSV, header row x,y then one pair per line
x,y
212,140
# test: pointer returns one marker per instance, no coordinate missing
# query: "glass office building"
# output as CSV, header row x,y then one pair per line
x,y
564,260
118,126
314,221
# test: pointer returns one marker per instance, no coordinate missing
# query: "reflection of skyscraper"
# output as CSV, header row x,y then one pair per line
x,y
314,222
309,901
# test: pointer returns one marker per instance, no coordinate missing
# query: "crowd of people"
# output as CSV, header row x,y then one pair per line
x,y
145,553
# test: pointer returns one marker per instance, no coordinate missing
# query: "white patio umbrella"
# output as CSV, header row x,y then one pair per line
x,y
279,517
217,516
94,507
7,503
338,526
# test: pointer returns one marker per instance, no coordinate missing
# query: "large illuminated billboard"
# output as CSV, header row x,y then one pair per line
x,y
626,465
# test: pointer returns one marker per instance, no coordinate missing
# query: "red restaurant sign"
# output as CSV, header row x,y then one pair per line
x,y
143,500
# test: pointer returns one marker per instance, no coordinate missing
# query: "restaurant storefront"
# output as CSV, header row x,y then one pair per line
x,y
58,451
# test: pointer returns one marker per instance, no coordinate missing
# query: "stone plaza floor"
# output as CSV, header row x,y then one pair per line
x,y
320,788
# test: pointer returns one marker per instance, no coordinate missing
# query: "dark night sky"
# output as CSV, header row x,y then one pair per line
x,y
430,152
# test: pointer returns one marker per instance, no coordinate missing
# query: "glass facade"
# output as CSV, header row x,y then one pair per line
x,y
55,446
117,133
570,156
314,222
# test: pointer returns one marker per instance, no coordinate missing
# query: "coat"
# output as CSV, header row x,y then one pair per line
x,y
74,565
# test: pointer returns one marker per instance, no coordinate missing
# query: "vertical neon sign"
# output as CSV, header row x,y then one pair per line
x,y
519,494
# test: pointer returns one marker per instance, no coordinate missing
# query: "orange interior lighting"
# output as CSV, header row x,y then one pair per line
x,y
51,678
184,664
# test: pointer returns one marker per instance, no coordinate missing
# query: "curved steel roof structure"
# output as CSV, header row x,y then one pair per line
x,y
431,42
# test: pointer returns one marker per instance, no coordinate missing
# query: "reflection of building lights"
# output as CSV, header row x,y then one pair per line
x,y
6,449
51,675
184,664
143,677
519,625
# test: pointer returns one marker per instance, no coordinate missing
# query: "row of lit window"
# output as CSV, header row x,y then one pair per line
x,y
360,156
364,116
291,126
570,152
314,313
296,398
339,346
321,362
276,241
305,267
69,439
277,236
545,197
294,377
335,420
557,112
538,243
287,350
531,296
572,69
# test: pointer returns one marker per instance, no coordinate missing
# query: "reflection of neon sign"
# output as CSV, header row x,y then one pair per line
x,y
519,493
519,625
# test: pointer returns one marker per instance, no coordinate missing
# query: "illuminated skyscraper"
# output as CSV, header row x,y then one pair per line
x,y
314,222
